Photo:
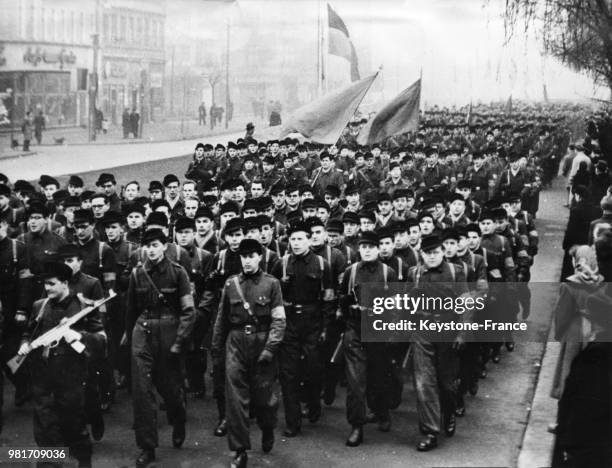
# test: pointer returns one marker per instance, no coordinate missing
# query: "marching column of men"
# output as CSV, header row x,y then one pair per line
x,y
258,261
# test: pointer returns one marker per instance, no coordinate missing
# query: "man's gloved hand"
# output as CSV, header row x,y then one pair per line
x,y
24,349
20,317
175,349
322,336
459,343
71,335
265,357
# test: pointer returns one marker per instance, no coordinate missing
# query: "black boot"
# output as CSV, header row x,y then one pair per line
x,y
146,457
221,429
267,440
355,438
97,426
427,443
178,435
240,460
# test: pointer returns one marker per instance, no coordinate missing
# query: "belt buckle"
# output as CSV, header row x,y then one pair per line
x,y
249,329
298,308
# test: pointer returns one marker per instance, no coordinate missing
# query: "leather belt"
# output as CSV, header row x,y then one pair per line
x,y
251,328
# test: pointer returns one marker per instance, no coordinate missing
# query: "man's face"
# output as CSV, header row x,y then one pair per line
x,y
306,195
250,213
274,148
487,226
368,252
464,192
99,207
293,199
109,188
369,163
130,192
432,258
384,207
463,244
309,213
432,159
203,225
414,235
155,194
154,250
318,236
225,217
113,231
257,190
473,239
55,288
360,161
184,237
367,225
266,234
36,222
396,173
350,229
323,214
4,201
75,191
502,224
400,204
438,210
385,247
135,220
334,238
457,208
191,206
49,190
199,153
287,163
269,212
427,226
74,263
299,242
219,152
267,167
232,153
278,199
189,190
84,231
325,164
250,262
239,194
233,240
254,233
353,199
172,190
450,247
401,239
331,200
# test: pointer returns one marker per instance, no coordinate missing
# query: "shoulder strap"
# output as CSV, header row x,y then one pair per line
x,y
348,255
100,251
385,274
42,309
221,262
14,249
452,270
178,252
352,277
285,263
129,244
473,260
400,267
322,266
417,276
484,255
245,304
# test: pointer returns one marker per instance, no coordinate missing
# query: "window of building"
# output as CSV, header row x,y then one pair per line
x,y
61,27
71,27
147,32
106,28
80,27
114,28
122,32
130,38
139,38
43,28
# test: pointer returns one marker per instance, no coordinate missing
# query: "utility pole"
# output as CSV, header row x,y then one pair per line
x,y
172,83
93,88
227,65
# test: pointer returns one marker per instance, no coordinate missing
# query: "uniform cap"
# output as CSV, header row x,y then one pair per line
x,y
151,235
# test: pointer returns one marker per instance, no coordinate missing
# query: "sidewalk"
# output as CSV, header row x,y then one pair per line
x,y
170,130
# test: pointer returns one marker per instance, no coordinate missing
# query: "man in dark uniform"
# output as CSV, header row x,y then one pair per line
x,y
225,263
201,267
159,321
308,295
59,373
436,363
40,244
16,299
367,366
250,326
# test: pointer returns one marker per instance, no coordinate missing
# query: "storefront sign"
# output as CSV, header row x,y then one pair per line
x,y
63,57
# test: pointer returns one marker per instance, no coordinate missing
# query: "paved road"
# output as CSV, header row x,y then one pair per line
x,y
490,434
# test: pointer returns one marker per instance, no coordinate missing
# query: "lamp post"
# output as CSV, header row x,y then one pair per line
x,y
93,87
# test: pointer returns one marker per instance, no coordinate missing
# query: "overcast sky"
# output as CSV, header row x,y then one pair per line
x,y
458,45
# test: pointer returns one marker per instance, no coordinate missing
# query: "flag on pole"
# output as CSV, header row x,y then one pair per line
x,y
399,116
468,117
509,105
324,119
340,43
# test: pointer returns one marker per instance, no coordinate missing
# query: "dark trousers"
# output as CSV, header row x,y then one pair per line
x,y
155,368
195,360
12,341
332,371
26,145
301,339
469,366
248,385
436,369
59,404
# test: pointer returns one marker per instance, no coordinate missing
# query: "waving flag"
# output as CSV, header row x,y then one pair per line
x,y
399,116
324,119
340,43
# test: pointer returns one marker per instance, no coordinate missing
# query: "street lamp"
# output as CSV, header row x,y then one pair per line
x,y
93,88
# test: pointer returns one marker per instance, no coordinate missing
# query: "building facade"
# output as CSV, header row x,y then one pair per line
x,y
132,45
45,58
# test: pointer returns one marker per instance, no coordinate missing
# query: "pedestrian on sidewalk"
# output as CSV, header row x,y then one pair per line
x,y
134,122
126,122
26,128
202,114
39,126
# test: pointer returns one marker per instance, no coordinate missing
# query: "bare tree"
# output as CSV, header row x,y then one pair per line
x,y
577,32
